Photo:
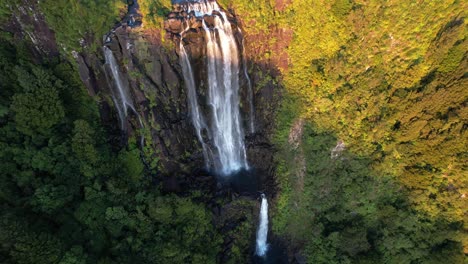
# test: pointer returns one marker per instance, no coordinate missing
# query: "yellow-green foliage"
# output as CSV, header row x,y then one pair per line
x,y
453,58
341,7
154,12
84,21
259,19
317,34
386,75
256,15
388,78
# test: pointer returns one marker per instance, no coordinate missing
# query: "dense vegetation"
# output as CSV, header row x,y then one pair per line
x,y
154,12
67,195
340,210
387,78
82,23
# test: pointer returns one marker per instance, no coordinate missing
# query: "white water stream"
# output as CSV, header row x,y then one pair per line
x,y
262,232
121,97
197,118
250,90
224,124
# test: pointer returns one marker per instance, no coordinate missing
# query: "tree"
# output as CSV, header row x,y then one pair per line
x,y
83,146
38,108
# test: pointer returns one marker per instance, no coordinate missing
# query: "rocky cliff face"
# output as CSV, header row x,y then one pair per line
x,y
265,77
151,71
149,63
28,22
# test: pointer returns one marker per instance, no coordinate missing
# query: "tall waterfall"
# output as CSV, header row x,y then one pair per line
x,y
262,232
224,129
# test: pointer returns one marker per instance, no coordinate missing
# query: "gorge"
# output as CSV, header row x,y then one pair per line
x,y
213,100
233,131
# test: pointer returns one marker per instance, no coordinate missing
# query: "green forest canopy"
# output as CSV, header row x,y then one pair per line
x,y
66,197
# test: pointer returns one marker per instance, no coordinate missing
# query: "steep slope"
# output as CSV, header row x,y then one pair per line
x,y
387,80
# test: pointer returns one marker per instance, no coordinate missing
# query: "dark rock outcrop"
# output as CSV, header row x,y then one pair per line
x,y
28,22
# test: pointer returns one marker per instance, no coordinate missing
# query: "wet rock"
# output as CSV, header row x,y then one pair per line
x,y
195,23
209,21
170,77
85,75
173,25
216,13
29,23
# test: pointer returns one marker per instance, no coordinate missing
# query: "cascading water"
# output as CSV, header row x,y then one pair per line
x,y
262,232
197,117
121,97
250,90
224,129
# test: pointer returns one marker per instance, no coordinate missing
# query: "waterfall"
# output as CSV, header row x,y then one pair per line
x,y
250,90
121,97
262,232
224,128
197,117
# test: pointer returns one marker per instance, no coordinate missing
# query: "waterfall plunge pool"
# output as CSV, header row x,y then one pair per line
x,y
276,254
251,183
244,182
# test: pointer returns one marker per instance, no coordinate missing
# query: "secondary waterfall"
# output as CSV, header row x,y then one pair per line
x,y
197,117
224,127
250,90
121,97
262,232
